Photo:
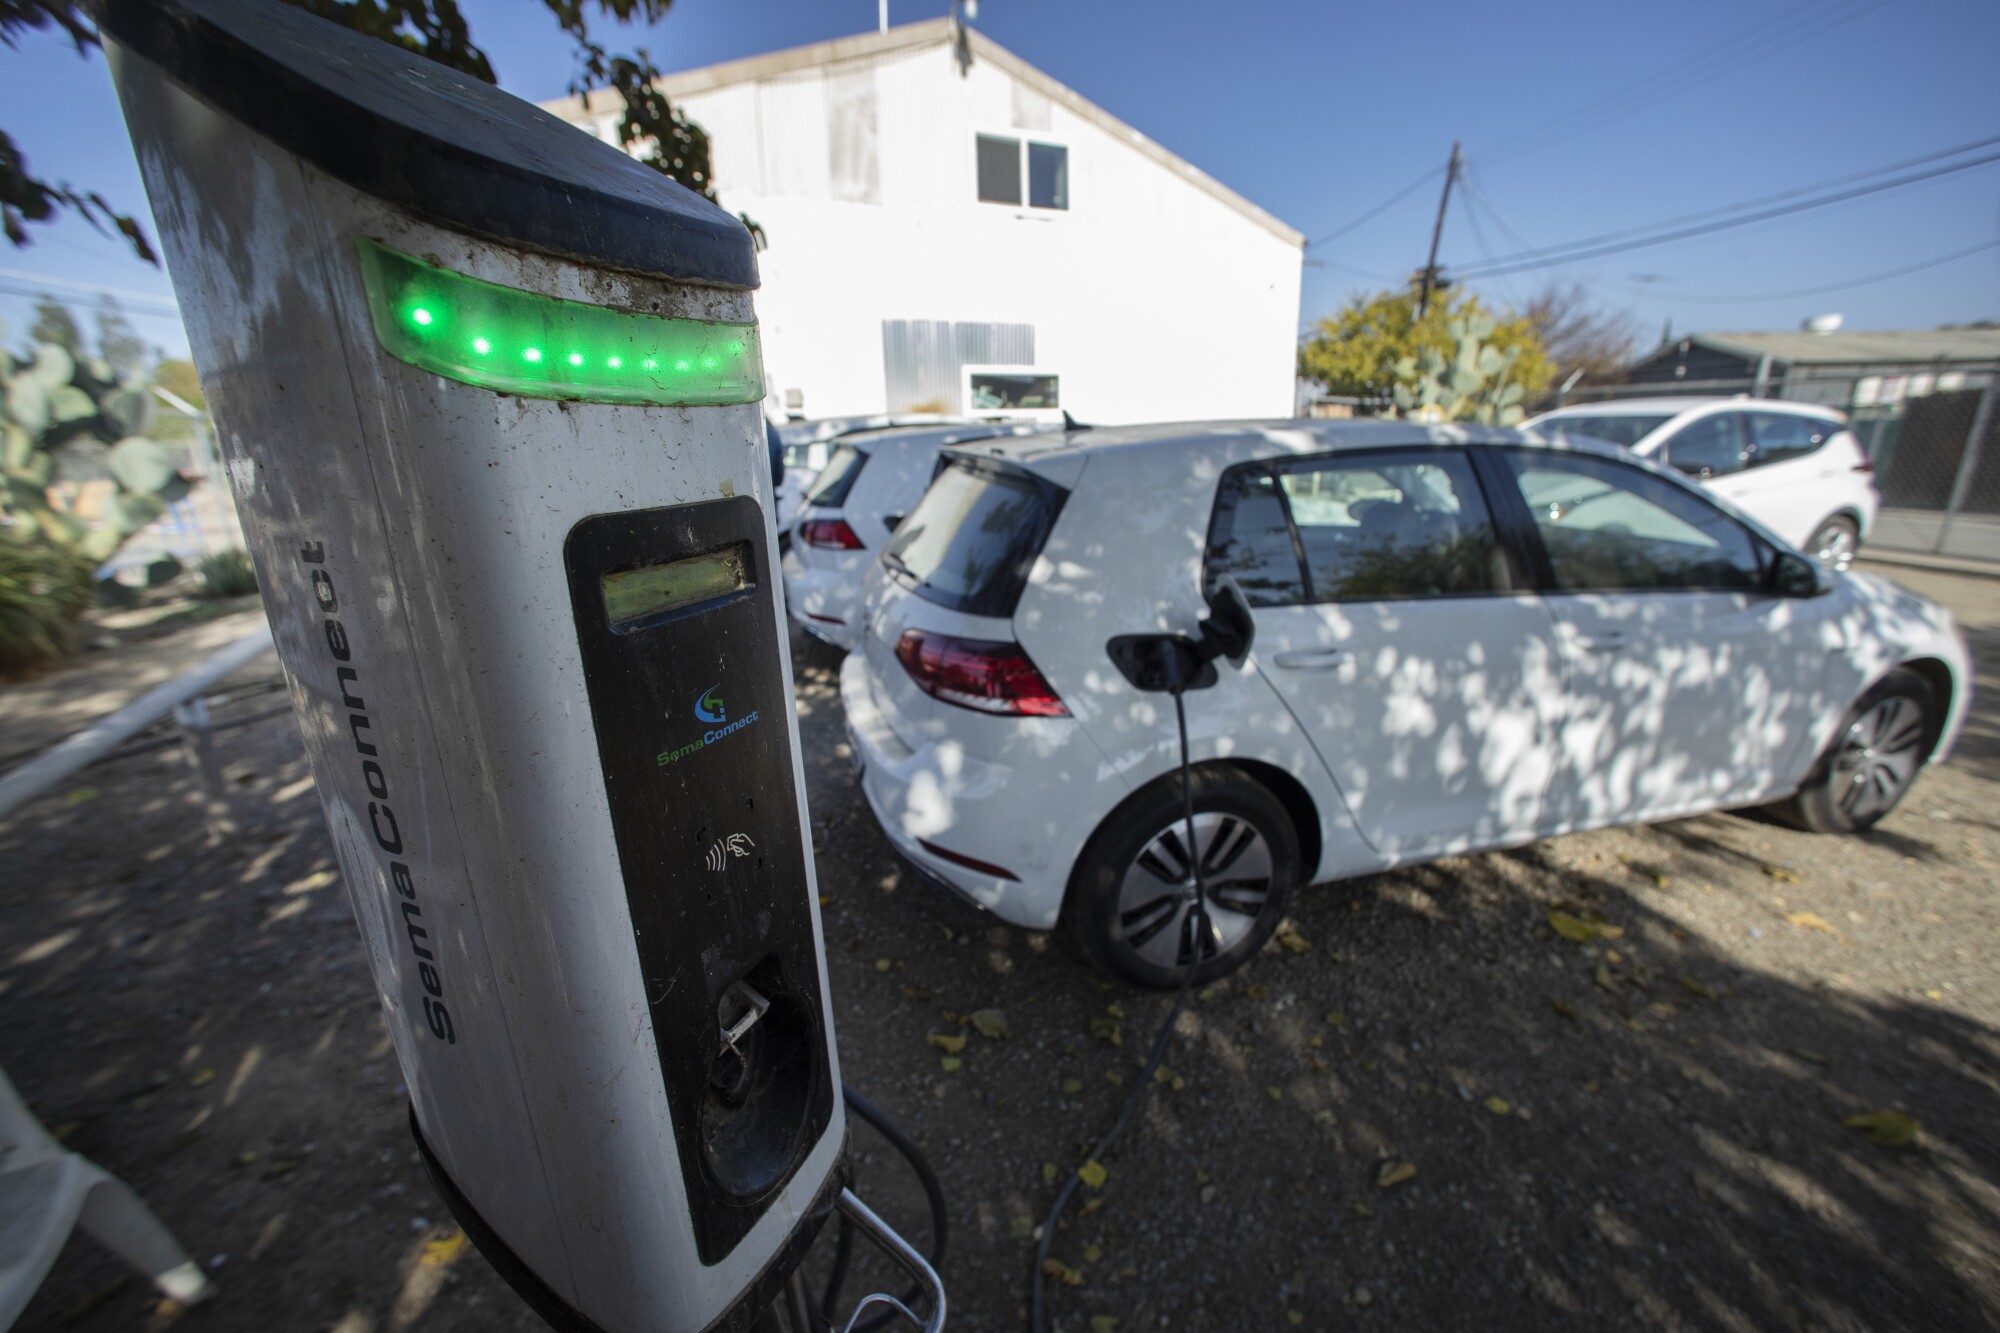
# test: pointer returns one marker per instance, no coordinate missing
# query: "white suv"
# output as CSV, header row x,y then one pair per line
x,y
871,479
1795,468
1464,638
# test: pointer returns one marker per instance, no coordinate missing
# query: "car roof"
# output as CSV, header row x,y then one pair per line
x,y
927,436
1243,441
1680,406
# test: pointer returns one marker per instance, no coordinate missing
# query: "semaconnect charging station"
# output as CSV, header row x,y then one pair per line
x,y
488,390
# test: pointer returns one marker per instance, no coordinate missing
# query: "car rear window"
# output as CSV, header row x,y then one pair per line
x,y
969,543
836,479
1618,428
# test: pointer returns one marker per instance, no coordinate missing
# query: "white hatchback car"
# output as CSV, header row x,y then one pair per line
x,y
871,479
1793,467
1465,638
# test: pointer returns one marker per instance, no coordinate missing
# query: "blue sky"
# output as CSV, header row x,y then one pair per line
x,y
1577,119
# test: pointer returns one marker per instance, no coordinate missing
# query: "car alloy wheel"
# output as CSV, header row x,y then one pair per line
x,y
1878,759
1156,901
1835,544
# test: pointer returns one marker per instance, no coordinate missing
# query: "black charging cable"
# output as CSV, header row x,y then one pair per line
x,y
1133,1100
843,1248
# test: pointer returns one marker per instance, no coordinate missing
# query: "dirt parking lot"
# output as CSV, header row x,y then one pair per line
x,y
1423,1107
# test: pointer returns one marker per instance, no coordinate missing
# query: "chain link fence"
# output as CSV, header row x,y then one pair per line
x,y
1933,436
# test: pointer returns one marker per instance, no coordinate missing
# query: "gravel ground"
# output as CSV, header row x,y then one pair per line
x,y
1642,1130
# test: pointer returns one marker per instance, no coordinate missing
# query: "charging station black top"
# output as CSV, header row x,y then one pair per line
x,y
428,139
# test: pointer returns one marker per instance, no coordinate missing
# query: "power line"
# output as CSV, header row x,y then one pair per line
x,y
1380,208
118,293
1531,250
1570,252
99,302
1884,276
1746,47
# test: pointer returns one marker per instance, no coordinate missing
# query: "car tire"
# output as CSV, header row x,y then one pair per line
x,y
1125,904
1873,760
1835,542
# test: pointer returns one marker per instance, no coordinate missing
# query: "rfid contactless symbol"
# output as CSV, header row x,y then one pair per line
x,y
709,708
735,845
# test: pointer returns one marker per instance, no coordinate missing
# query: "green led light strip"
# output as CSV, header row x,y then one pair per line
x,y
511,341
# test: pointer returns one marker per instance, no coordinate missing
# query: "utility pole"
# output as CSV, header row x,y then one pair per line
x,y
1429,276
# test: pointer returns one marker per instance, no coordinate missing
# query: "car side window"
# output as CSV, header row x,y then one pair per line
x,y
1709,447
1778,437
1406,524
1250,540
1609,526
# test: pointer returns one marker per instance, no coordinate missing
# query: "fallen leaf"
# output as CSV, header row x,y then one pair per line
x,y
1293,941
1092,1253
1394,1173
1811,1057
1606,931
1321,1066
1114,1011
1072,1086
1162,1074
1782,875
1694,987
1371,1066
991,1023
1315,1041
1103,1323
1565,1008
1093,1204
951,1063
1205,993
1062,1272
1252,991
1363,1210
1201,1177
1810,921
883,965
1092,1174
1497,1105
80,795
1605,981
1574,929
950,1045
440,1253
825,899
1048,1173
1108,1030
1277,1094
1933,994
203,1079
1890,1129
918,993
1294,1318
1114,1078
1338,1018
1020,1228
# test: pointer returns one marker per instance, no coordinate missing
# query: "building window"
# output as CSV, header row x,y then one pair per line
x,y
1048,176
1000,172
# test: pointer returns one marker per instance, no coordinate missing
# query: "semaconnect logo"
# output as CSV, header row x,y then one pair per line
x,y
709,709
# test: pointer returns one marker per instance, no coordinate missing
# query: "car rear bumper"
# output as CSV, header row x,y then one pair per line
x,y
826,603
942,808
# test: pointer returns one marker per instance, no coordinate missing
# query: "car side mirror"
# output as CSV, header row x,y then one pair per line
x,y
1795,575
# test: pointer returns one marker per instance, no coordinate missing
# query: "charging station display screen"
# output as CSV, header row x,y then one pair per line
x,y
511,341
634,598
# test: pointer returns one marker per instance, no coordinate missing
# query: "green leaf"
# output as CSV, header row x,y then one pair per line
x,y
141,464
52,366
1092,1174
951,1063
991,1023
950,1045
1395,1173
130,410
68,403
1890,1129
28,404
15,445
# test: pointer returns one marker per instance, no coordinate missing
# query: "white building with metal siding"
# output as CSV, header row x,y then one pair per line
x,y
1147,289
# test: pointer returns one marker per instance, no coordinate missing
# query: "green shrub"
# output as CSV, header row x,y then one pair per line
x,y
228,574
44,591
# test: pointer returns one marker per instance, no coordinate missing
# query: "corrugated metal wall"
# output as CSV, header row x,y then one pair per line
x,y
922,358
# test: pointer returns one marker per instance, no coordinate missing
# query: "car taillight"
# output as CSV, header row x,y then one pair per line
x,y
978,674
1866,464
832,534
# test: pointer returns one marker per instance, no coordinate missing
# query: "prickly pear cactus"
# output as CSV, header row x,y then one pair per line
x,y
1472,385
62,421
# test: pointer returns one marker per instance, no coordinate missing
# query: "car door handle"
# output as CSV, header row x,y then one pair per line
x,y
1609,642
1318,659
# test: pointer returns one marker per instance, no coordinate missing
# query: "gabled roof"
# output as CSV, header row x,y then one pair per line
x,y
1859,347
937,32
